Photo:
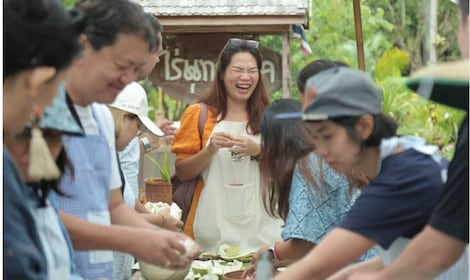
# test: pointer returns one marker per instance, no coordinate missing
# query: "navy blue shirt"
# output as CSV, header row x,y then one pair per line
x,y
451,214
399,201
22,251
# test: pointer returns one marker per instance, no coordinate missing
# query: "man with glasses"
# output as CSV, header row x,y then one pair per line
x,y
116,44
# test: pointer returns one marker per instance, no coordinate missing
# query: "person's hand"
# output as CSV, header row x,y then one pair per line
x,y
364,276
157,141
167,127
250,270
162,248
244,146
171,223
219,140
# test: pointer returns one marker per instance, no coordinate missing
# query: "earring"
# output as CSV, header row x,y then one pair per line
x,y
41,163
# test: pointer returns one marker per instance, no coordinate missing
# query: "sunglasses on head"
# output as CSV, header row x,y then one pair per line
x,y
242,43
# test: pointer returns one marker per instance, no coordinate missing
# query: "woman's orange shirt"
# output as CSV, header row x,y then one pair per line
x,y
187,143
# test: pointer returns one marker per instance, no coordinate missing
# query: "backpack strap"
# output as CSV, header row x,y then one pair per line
x,y
202,120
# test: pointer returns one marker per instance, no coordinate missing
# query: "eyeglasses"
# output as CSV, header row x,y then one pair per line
x,y
242,43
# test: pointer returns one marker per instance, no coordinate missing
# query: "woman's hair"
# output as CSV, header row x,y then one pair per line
x,y
216,96
39,33
109,18
118,116
384,127
45,186
284,143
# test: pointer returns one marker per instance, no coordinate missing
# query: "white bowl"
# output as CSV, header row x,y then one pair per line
x,y
153,272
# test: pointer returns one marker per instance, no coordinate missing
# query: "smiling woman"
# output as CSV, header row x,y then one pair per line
x,y
225,155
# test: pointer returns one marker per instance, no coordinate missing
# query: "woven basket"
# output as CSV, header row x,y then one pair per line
x,y
157,190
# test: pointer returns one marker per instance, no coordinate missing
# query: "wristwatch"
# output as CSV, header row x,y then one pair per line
x,y
147,145
272,252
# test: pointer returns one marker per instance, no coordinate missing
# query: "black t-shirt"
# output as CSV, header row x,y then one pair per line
x,y
451,213
400,199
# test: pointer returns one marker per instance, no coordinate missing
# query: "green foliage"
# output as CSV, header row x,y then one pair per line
x,y
408,30
436,123
163,167
152,99
392,63
332,35
172,109
393,35
69,3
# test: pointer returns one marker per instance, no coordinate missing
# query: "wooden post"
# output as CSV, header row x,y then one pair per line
x,y
286,64
359,41
159,112
430,34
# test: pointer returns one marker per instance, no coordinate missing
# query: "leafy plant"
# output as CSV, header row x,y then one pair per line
x,y
436,123
163,166
159,102
69,3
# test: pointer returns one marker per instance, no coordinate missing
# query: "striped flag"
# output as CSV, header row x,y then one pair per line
x,y
298,32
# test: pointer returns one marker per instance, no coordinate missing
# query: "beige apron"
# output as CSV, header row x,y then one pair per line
x,y
230,209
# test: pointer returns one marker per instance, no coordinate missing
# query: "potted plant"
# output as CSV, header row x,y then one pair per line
x,y
159,189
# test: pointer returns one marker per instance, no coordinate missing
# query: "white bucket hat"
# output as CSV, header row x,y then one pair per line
x,y
133,99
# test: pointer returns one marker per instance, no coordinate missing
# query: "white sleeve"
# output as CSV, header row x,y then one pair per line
x,y
129,159
102,112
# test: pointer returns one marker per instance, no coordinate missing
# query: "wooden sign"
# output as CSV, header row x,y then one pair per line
x,y
187,65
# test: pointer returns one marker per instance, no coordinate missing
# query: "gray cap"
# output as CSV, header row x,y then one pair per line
x,y
341,92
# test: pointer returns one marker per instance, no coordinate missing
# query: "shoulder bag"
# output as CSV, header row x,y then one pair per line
x,y
183,191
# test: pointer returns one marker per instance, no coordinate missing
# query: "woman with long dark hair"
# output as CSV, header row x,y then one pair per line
x,y
226,207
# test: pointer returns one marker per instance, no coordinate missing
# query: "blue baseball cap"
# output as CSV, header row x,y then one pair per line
x,y
341,92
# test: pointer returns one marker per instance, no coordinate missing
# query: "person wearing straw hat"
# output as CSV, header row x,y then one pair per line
x,y
406,176
36,51
445,238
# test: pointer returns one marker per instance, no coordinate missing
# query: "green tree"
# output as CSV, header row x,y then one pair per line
x,y
409,27
69,3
